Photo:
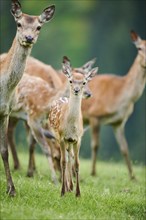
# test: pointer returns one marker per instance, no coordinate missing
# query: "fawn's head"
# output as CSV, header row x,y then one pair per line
x,y
140,45
28,27
85,68
77,81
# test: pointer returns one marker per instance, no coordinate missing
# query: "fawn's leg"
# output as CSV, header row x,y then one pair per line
x,y
31,165
63,167
76,158
38,133
70,167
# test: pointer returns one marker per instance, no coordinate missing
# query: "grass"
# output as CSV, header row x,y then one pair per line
x,y
109,196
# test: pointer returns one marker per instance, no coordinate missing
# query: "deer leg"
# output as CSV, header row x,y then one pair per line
x,y
94,124
69,165
32,142
76,158
12,144
63,167
37,132
120,136
4,154
31,165
55,152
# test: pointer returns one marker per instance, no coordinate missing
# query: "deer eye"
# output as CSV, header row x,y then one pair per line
x,y
70,81
84,83
139,49
38,28
19,25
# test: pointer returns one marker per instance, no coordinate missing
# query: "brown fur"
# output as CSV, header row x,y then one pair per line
x,y
66,122
113,101
12,68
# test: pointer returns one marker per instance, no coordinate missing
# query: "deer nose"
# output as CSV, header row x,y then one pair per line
x,y
87,95
76,90
29,38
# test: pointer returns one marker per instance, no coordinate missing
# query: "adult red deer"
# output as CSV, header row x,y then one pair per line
x,y
12,68
113,101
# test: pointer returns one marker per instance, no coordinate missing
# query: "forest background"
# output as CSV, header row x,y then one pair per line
x,y
82,30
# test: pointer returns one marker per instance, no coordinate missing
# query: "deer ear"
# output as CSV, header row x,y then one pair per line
x,y
87,66
92,73
16,9
135,38
47,14
66,67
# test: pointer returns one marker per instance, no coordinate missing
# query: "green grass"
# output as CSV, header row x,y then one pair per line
x,y
109,196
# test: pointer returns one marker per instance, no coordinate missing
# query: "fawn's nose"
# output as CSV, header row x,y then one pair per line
x,y
87,95
29,39
76,90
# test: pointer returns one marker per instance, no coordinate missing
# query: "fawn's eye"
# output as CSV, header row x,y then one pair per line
x,y
84,83
70,81
19,25
139,49
38,28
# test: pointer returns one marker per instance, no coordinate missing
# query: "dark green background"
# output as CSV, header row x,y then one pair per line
x,y
82,30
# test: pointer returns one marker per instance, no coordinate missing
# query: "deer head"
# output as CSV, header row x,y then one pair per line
x,y
86,68
140,45
77,82
28,27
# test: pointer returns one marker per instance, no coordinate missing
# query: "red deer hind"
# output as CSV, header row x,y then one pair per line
x,y
12,68
113,101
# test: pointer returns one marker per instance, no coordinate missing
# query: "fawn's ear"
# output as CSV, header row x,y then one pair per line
x,y
66,67
135,38
47,14
16,9
88,66
91,73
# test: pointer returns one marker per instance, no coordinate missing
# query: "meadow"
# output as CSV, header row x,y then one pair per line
x,y
108,196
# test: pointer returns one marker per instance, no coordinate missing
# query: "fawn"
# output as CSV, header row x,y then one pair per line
x,y
65,120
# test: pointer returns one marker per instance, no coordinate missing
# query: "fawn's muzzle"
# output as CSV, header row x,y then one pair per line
x,y
29,39
76,91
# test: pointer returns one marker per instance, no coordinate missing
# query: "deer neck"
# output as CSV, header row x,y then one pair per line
x,y
16,61
74,110
136,78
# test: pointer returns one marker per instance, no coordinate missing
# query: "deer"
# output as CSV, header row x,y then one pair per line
x,y
12,68
35,67
66,123
33,108
31,103
113,102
